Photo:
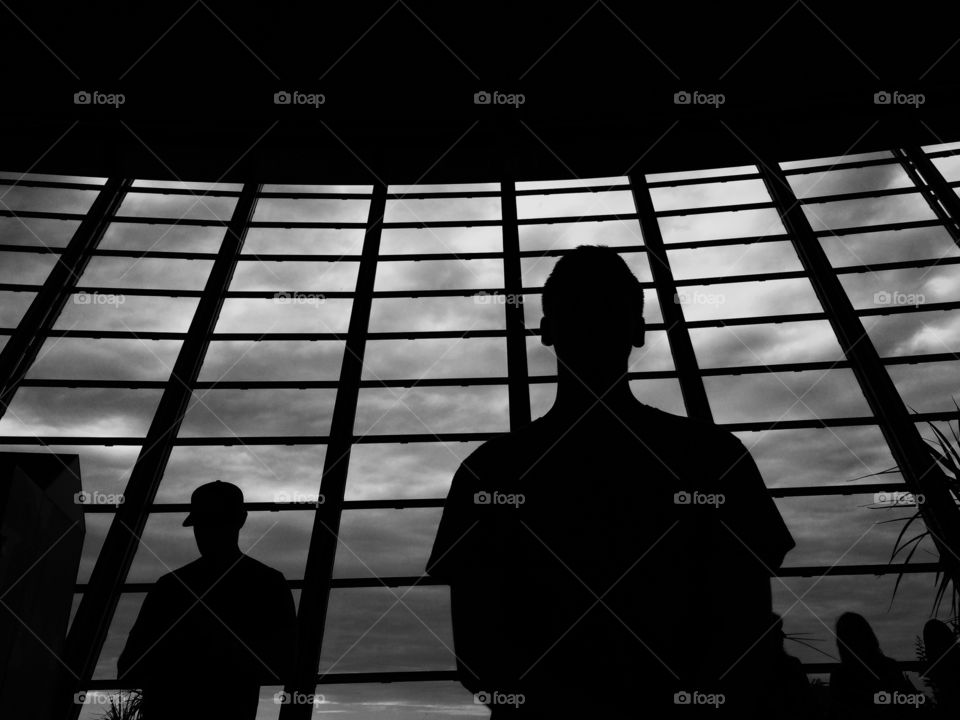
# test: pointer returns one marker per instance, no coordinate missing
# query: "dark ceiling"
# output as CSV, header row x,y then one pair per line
x,y
598,81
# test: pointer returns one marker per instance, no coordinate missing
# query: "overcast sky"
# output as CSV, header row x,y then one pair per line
x,y
416,634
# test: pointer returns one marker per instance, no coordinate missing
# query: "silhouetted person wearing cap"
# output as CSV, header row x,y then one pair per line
x,y
864,685
212,632
607,558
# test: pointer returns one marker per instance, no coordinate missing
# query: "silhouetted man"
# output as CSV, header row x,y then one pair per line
x,y
210,633
608,557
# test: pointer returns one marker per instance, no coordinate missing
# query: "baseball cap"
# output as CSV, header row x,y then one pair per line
x,y
215,503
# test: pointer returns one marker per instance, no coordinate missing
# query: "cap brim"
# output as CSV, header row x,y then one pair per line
x,y
188,521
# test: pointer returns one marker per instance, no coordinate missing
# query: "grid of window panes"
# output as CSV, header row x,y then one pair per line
x,y
435,372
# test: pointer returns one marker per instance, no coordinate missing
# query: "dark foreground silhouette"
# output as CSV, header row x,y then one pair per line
x,y
210,633
609,557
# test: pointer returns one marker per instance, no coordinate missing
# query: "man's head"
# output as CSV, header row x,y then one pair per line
x,y
216,516
592,311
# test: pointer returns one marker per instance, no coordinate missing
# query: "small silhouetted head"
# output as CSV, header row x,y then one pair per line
x,y
216,516
592,311
856,641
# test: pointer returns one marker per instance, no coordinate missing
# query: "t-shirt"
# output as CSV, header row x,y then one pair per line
x,y
631,554
206,639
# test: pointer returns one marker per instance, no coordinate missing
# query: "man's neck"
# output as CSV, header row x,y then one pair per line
x,y
611,398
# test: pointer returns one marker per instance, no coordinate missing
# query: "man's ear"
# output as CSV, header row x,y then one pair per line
x,y
546,333
639,333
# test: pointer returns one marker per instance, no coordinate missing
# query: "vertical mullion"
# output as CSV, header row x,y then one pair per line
x,y
934,188
324,538
517,372
23,346
684,359
920,471
92,621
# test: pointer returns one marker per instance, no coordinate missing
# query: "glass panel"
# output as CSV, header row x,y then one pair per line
x,y
614,202
927,387
439,275
570,183
714,226
303,241
194,207
370,630
836,160
119,272
238,360
835,182
765,344
13,306
748,299
265,473
566,236
379,543
476,312
126,313
42,199
231,413
22,268
272,209
708,194
452,240
949,167
103,469
287,312
698,174
169,238
811,394
914,333
185,186
891,246
96,412
767,257
863,528
295,276
447,188
821,456
105,359
435,358
40,177
338,189
906,286
479,408
465,209
37,231
407,470
868,211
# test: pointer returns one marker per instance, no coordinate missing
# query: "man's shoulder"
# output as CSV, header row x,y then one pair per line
x,y
699,438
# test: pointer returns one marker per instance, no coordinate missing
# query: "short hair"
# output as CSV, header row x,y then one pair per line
x,y
592,268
